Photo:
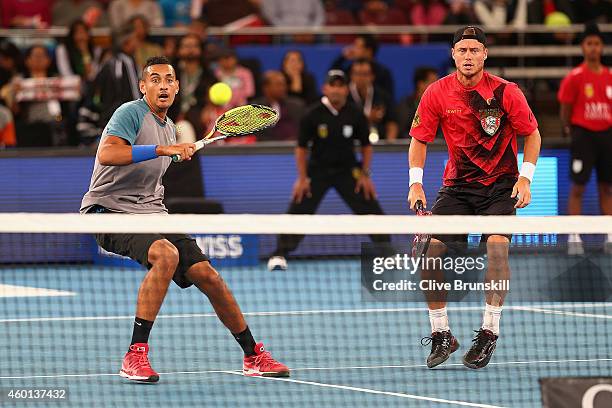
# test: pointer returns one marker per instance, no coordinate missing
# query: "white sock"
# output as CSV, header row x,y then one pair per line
x,y
439,320
491,317
574,238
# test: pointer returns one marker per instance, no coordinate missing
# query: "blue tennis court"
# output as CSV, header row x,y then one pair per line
x,y
69,327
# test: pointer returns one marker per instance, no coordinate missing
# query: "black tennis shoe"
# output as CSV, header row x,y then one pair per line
x,y
482,349
442,345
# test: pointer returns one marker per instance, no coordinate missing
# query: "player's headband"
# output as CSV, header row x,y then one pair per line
x,y
470,33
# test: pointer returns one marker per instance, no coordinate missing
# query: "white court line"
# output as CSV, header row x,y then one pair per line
x,y
375,367
563,313
27,377
14,291
452,364
288,313
370,391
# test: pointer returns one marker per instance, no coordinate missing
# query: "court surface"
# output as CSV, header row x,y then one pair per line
x,y
342,351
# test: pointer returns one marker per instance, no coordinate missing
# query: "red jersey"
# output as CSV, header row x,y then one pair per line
x,y
480,125
590,95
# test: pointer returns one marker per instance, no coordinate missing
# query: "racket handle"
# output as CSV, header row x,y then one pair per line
x,y
418,206
198,145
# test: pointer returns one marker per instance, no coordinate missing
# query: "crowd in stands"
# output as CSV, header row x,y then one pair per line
x,y
64,93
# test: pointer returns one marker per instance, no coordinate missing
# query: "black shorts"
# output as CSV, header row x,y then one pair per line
x,y
474,200
588,150
136,246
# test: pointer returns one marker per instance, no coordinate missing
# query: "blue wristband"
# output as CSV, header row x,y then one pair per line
x,y
143,152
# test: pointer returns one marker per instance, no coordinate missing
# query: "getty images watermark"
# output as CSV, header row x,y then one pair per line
x,y
410,265
536,273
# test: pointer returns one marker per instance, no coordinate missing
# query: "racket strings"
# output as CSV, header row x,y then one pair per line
x,y
246,119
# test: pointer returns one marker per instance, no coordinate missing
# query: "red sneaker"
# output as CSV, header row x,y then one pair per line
x,y
263,365
136,365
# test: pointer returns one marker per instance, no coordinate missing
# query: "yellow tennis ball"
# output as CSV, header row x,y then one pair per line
x,y
220,93
557,19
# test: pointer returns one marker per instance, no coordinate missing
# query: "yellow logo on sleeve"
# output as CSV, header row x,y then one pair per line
x,y
416,121
322,130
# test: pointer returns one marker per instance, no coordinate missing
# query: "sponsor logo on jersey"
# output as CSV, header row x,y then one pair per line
x,y
490,120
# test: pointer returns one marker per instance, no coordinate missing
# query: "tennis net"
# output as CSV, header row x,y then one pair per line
x,y
347,315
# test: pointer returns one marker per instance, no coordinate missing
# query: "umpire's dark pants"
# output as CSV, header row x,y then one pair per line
x,y
344,182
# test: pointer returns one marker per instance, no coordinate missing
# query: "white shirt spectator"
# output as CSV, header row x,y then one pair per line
x,y
294,13
120,11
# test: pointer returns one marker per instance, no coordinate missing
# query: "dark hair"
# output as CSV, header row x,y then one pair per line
x,y
421,74
370,42
192,35
50,71
142,18
298,52
266,77
10,50
74,54
592,29
123,34
157,60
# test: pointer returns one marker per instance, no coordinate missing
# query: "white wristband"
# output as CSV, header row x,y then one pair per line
x,y
527,170
416,175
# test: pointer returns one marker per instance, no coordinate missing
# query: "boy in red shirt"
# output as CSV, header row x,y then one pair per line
x,y
481,116
586,113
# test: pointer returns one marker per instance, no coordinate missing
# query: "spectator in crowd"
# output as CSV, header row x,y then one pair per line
x,y
77,55
199,27
293,13
10,62
7,128
239,78
301,83
169,47
193,74
378,13
290,108
222,12
25,13
121,11
176,12
39,115
145,49
116,83
491,13
336,16
377,105
460,12
406,109
65,12
365,46
428,12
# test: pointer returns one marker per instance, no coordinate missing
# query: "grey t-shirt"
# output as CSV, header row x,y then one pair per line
x,y
136,188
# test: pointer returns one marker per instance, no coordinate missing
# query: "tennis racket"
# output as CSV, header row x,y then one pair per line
x,y
239,121
420,244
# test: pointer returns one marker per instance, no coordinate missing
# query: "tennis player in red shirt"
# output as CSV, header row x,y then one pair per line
x,y
586,113
481,116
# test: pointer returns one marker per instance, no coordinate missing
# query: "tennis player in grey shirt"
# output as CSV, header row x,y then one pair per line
x,y
134,152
